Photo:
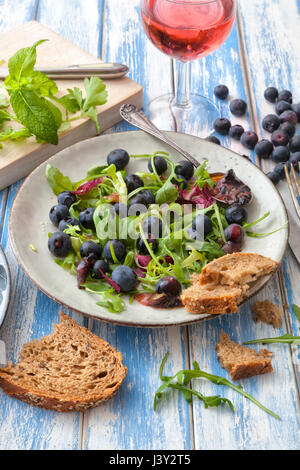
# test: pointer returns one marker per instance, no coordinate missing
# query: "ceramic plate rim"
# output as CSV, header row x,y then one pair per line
x,y
6,305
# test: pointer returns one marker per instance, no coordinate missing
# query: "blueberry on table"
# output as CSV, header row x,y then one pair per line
x,y
231,247
133,182
279,138
296,108
236,214
185,168
66,222
273,176
121,209
148,196
119,158
279,169
249,139
142,248
263,148
294,160
160,165
271,94
282,106
288,128
67,198
236,131
119,250
180,181
222,126
125,277
202,226
234,233
295,144
99,265
90,248
221,92
271,122
213,139
288,116
57,213
168,285
59,244
238,107
280,154
86,218
285,95
152,226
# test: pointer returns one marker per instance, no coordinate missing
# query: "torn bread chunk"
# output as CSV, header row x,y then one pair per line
x,y
267,312
241,361
211,299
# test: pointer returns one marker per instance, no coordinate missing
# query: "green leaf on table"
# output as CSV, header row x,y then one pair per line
x,y
4,101
96,93
285,339
41,84
93,115
58,181
296,311
21,64
14,134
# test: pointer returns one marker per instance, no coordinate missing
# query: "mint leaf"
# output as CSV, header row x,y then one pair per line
x,y
58,181
40,83
22,63
4,102
96,93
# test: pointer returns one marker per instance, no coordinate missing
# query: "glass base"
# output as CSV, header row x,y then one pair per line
x,y
197,118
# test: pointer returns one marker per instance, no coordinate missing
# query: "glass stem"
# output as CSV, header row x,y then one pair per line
x,y
182,75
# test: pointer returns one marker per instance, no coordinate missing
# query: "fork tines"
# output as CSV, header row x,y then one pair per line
x,y
294,189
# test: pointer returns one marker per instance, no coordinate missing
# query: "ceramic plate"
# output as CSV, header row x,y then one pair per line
x,y
29,223
4,286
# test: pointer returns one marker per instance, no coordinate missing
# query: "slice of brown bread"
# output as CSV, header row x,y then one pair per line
x,y
69,370
211,299
237,269
241,361
268,313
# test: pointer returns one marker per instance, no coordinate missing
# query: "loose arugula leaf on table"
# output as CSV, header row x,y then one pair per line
x,y
296,311
285,339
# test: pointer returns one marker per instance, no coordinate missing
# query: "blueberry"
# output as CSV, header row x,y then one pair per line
x,y
67,198
133,182
236,214
66,221
263,148
279,169
221,92
271,94
57,213
202,225
125,277
271,122
222,126
99,264
185,169
138,205
121,209
119,158
295,144
86,218
160,165
180,181
148,196
213,139
285,95
288,129
90,248
238,107
282,106
249,139
273,176
280,154
236,131
279,138
234,233
296,108
168,285
294,160
119,249
142,249
153,226
59,244
288,116
231,247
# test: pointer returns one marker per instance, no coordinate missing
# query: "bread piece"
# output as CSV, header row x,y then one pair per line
x,y
211,299
242,361
237,269
268,313
69,370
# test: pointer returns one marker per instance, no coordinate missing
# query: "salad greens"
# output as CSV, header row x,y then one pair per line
x,y
34,100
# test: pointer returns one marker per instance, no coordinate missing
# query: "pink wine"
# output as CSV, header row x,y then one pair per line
x,y
187,29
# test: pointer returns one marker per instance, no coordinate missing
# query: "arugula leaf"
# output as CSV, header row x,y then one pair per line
x,y
22,62
296,311
167,193
286,339
58,181
202,176
112,302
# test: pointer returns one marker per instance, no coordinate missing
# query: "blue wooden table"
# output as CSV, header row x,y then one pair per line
x,y
262,50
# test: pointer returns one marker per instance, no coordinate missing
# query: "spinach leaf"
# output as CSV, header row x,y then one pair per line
x,y
58,181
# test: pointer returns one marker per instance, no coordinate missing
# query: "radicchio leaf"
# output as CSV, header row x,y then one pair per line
x,y
111,282
142,260
86,187
197,196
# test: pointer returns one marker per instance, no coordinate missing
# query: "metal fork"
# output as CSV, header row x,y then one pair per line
x,y
294,192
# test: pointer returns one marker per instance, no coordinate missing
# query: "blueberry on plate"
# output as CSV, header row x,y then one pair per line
x,y
168,285
295,144
296,108
271,94
271,122
57,213
280,154
59,244
152,226
236,131
294,160
213,139
279,138
222,126
263,148
221,92
249,139
133,182
180,181
282,106
236,214
90,248
138,205
160,165
288,128
185,169
141,247
102,265
121,209
234,233
86,218
273,176
118,248
66,198
119,158
125,277
285,95
238,107
202,226
66,221
288,116
148,196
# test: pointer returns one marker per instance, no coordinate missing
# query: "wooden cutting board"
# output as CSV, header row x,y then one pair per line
x,y
19,159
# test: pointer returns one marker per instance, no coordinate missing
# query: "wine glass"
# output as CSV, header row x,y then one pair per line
x,y
186,30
